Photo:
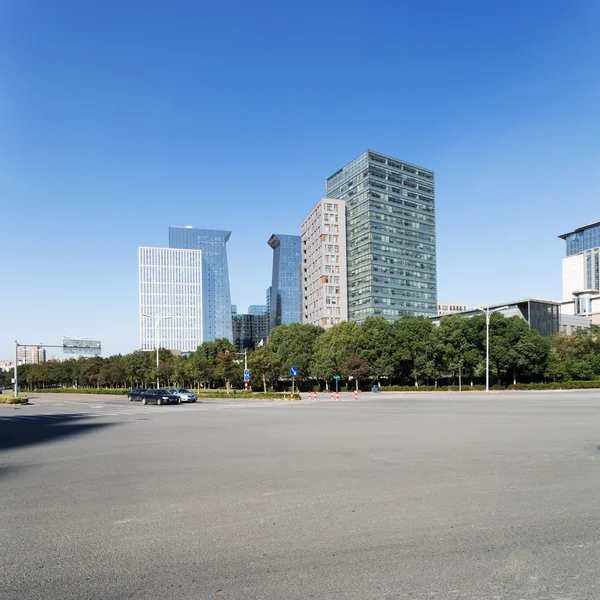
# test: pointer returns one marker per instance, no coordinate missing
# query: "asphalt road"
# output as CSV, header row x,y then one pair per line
x,y
388,497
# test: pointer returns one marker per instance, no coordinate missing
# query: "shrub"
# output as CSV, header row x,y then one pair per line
x,y
13,400
111,392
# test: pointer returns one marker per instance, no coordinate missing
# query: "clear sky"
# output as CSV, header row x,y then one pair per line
x,y
122,117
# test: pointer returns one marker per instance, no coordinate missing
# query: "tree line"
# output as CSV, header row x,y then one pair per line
x,y
410,351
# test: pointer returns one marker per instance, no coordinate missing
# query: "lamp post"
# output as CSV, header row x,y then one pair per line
x,y
157,321
487,312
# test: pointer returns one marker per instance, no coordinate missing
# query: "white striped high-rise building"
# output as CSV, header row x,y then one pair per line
x,y
170,292
324,288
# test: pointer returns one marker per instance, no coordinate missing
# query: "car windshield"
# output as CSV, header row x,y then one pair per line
x,y
162,392
183,391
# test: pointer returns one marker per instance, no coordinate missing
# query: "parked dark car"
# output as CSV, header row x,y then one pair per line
x,y
159,397
135,394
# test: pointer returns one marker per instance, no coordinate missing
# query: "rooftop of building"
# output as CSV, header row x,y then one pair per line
x,y
277,238
386,156
500,305
217,233
579,230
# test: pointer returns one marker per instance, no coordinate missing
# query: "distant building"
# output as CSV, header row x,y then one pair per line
x,y
242,331
581,272
324,288
234,309
284,303
31,355
170,286
390,206
260,322
542,315
217,296
447,308
6,365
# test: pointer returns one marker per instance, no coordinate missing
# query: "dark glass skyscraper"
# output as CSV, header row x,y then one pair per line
x,y
285,286
260,322
216,297
390,236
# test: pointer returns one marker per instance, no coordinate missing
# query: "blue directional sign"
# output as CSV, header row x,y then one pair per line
x,y
293,371
246,377
247,372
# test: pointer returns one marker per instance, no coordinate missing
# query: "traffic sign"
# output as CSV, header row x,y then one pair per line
x,y
336,377
293,371
247,377
247,372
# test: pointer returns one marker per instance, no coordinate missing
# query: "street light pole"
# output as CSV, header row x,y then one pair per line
x,y
16,369
487,312
157,321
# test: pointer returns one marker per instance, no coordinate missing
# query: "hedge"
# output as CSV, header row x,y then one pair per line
x,y
431,388
203,393
13,400
562,385
111,392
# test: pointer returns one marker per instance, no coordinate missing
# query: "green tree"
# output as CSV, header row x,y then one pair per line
x,y
413,337
359,368
333,349
376,344
228,368
264,363
294,345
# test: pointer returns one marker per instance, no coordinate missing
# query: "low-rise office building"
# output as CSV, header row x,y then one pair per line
x,y
544,316
448,308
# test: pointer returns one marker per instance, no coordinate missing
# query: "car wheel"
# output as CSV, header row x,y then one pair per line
x,y
144,401
159,401
130,398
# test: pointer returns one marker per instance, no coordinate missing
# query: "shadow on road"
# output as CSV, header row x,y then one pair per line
x,y
28,431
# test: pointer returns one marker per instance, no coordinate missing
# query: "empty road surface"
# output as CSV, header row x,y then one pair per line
x,y
432,496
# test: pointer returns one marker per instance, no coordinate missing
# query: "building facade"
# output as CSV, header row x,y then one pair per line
x,y
242,331
170,291
324,287
391,244
448,308
31,355
284,303
260,323
215,272
581,272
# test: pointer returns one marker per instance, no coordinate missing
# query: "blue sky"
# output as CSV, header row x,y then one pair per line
x,y
120,118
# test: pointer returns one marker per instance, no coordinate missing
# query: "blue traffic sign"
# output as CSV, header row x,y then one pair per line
x,y
293,371
247,372
247,377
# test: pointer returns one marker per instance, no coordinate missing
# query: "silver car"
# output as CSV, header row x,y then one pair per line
x,y
183,394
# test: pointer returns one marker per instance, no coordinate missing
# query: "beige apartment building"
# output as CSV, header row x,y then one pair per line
x,y
31,355
324,284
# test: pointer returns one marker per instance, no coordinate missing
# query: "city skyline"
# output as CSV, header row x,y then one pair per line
x,y
103,146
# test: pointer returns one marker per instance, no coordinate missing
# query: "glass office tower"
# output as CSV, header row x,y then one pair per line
x,y
260,322
390,236
284,304
216,297
170,298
